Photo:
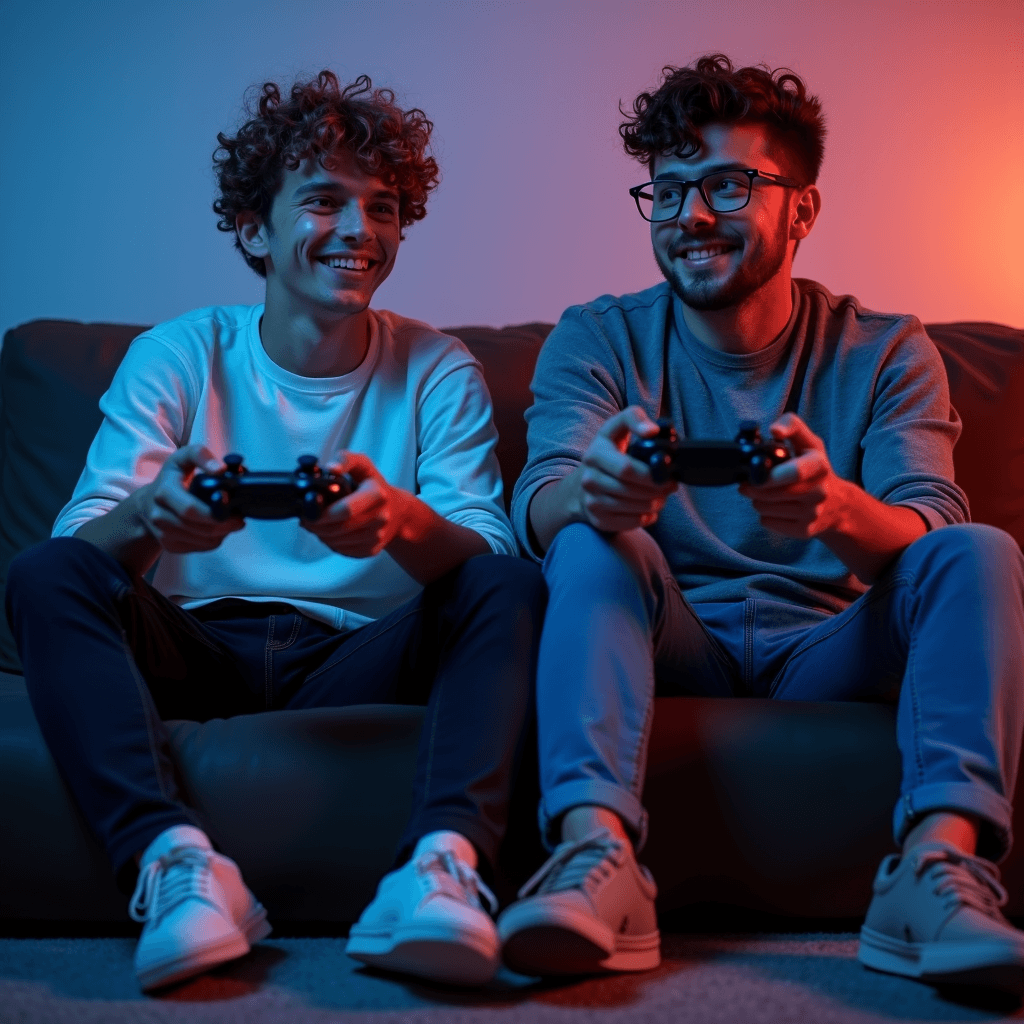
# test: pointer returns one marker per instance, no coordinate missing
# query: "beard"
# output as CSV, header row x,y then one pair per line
x,y
701,289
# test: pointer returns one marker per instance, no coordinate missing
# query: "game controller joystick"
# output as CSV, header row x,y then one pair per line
x,y
710,463
235,491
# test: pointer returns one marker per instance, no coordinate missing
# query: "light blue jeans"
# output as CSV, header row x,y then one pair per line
x,y
941,634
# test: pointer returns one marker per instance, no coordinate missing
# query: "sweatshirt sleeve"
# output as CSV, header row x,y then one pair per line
x,y
577,385
145,420
457,471
908,446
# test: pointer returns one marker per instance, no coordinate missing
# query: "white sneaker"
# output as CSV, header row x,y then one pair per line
x,y
589,909
427,919
195,909
935,917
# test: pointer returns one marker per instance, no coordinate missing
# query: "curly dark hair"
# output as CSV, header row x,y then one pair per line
x,y
317,119
712,91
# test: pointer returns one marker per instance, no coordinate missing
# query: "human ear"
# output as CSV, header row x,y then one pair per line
x,y
252,233
805,212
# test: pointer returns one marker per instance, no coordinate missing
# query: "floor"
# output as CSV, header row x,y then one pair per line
x,y
780,977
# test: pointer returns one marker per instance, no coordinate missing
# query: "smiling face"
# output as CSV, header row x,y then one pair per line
x,y
330,239
717,260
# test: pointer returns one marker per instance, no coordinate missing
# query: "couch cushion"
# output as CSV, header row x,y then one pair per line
x,y
792,815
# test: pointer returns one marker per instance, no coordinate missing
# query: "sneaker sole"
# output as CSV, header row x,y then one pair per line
x,y
540,947
456,958
195,962
992,964
254,928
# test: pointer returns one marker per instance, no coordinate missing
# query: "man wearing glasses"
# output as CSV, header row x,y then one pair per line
x,y
843,577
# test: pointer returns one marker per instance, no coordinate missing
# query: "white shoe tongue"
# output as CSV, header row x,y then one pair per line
x,y
173,837
447,842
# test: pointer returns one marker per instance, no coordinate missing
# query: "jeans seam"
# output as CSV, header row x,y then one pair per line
x,y
268,655
268,662
428,769
358,647
146,698
910,683
877,591
749,616
640,749
296,623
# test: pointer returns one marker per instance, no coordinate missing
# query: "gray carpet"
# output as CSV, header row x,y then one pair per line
x,y
743,978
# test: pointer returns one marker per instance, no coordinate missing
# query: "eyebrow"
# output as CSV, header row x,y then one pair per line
x,y
326,185
713,169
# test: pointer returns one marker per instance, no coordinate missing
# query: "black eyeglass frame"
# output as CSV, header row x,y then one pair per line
x,y
698,183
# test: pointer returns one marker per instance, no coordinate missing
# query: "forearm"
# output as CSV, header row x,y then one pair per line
x,y
122,533
868,534
427,545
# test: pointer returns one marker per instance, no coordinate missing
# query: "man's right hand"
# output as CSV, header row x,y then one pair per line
x,y
609,490
161,516
180,522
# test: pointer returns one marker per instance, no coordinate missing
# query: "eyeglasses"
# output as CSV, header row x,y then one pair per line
x,y
722,191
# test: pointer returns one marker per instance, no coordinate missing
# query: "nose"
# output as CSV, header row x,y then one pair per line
x,y
352,223
694,210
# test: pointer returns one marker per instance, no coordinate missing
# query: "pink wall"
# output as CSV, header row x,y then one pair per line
x,y
110,112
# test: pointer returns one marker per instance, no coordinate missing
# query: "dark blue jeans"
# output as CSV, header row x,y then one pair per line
x,y
107,658
941,634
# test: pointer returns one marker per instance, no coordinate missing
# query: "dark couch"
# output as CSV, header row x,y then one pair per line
x,y
769,806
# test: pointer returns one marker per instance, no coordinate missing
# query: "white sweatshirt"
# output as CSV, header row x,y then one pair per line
x,y
417,406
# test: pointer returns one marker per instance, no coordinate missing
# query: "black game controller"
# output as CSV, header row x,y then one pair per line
x,y
234,491
710,463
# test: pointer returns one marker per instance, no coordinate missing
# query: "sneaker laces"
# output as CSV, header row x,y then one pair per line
x,y
573,862
169,880
470,883
964,879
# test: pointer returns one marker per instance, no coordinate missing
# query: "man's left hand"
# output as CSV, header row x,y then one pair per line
x,y
363,523
804,496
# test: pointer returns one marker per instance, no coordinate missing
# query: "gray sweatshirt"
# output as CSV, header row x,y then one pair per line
x,y
875,391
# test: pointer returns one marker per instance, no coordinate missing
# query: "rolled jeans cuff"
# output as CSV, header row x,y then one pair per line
x,y
995,837
594,793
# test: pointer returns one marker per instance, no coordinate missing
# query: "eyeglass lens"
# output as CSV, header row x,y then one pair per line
x,y
724,191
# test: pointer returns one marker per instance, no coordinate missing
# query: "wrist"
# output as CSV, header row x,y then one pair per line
x,y
574,497
554,505
410,516
139,505
846,498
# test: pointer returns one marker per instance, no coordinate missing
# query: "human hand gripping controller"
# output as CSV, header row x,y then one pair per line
x,y
747,459
236,492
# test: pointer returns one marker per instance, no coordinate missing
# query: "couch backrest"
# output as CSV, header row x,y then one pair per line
x,y
53,372
985,366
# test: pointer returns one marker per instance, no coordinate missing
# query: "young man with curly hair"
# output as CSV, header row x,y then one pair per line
x,y
843,577
404,591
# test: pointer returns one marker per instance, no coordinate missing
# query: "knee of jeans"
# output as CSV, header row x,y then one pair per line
x,y
579,554
584,557
41,569
980,545
573,542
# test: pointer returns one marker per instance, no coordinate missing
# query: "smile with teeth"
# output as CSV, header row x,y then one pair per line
x,y
345,263
704,254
